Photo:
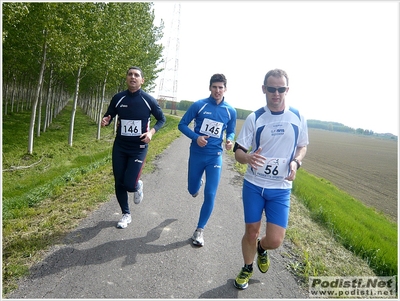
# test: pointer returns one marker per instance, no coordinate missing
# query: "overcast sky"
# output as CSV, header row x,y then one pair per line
x,y
342,57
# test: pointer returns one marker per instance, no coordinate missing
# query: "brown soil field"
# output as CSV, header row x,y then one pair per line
x,y
364,167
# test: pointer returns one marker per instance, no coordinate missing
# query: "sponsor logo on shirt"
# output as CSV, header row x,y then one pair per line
x,y
207,113
123,106
277,132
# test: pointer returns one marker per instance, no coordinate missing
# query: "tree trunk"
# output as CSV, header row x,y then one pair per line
x,y
39,115
13,94
36,99
5,98
71,129
103,95
48,102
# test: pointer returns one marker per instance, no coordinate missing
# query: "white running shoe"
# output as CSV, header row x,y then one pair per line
x,y
138,195
124,221
197,238
197,193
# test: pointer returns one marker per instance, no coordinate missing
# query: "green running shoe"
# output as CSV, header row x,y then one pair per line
x,y
262,260
242,280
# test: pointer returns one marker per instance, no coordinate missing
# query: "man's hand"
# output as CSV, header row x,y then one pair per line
x,y
146,137
255,159
106,120
293,171
228,145
202,140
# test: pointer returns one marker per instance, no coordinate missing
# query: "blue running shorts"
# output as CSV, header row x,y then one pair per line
x,y
275,203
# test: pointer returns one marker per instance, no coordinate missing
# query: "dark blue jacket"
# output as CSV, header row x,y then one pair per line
x,y
134,111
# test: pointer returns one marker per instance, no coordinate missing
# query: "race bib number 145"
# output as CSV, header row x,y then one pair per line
x,y
211,128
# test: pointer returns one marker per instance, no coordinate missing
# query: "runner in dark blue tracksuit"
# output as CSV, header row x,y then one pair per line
x,y
134,108
212,117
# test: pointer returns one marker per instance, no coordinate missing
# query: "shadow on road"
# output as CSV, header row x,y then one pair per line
x,y
86,234
226,291
68,257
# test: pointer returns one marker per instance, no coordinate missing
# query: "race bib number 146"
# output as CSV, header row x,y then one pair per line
x,y
131,127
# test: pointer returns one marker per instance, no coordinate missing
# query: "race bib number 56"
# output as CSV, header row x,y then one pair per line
x,y
211,128
131,127
274,169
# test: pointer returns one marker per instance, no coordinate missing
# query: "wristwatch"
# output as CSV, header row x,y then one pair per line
x,y
297,162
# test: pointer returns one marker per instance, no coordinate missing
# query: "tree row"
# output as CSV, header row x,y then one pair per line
x,y
54,51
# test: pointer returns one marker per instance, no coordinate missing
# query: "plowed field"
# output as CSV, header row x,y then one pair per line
x,y
364,167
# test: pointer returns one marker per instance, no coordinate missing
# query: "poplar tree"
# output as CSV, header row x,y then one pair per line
x,y
60,49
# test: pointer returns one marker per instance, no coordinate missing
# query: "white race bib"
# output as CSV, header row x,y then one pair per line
x,y
273,169
211,128
131,127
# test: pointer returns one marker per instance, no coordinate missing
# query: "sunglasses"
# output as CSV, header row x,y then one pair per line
x,y
273,90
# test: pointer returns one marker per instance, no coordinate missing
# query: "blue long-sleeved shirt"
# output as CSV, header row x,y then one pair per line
x,y
134,111
211,120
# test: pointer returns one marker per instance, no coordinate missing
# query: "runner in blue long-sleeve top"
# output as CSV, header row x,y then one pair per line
x,y
212,118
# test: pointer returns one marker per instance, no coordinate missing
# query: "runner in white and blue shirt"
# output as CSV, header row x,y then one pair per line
x,y
278,134
272,142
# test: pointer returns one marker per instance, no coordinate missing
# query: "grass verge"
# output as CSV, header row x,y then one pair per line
x,y
43,203
361,229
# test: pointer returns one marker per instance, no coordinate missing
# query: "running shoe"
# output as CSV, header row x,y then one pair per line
x,y
242,280
197,238
138,195
124,221
197,193
262,260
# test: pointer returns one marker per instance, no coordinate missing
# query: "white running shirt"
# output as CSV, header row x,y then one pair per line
x,y
278,134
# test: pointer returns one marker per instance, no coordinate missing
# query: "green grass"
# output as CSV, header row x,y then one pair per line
x,y
361,229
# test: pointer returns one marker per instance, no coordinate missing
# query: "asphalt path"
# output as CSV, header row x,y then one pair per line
x,y
153,257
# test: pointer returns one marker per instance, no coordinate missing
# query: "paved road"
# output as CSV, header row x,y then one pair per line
x,y
153,257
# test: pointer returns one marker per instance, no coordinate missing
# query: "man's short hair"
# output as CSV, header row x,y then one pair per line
x,y
218,77
276,73
135,68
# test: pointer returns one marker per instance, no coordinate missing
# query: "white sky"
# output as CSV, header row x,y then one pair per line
x,y
342,57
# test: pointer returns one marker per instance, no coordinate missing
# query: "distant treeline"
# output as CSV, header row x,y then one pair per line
x,y
183,105
339,127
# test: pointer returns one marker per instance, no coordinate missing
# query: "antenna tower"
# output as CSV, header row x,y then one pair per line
x,y
169,80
